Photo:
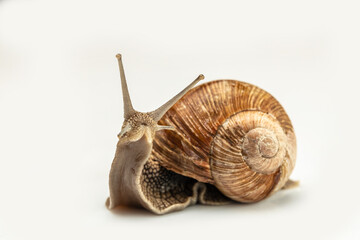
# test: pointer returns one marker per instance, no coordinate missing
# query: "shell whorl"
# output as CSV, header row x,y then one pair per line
x,y
262,140
231,134
246,154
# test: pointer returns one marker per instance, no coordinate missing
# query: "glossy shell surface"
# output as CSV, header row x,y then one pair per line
x,y
232,135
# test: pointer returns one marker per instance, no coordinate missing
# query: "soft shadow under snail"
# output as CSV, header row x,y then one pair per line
x,y
219,142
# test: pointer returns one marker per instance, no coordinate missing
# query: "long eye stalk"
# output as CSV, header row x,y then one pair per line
x,y
128,108
158,113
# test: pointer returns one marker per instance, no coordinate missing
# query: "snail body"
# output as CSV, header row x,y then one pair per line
x,y
219,142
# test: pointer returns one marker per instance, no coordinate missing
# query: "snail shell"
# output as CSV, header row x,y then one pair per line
x,y
229,141
232,135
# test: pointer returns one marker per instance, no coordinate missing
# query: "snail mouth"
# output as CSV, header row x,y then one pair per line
x,y
144,131
135,135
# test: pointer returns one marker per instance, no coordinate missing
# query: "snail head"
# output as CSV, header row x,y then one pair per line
x,y
138,124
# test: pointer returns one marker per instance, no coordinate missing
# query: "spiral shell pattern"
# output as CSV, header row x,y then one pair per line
x,y
231,134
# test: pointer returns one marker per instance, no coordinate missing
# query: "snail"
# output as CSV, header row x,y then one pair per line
x,y
219,142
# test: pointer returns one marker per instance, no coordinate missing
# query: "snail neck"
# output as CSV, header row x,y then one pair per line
x,y
125,172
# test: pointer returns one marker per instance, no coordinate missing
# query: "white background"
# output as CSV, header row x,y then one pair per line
x,y
61,109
